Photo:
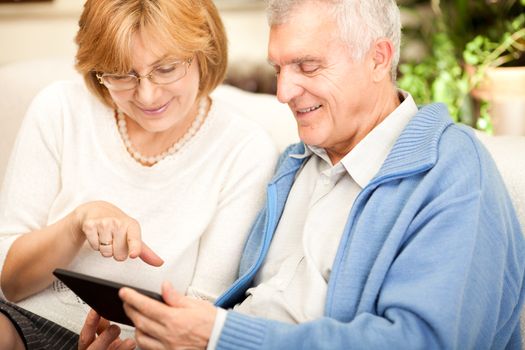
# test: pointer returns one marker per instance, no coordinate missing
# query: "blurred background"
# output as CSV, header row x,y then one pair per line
x,y
46,28
468,54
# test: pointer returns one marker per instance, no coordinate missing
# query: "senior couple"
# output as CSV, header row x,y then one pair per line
x,y
386,227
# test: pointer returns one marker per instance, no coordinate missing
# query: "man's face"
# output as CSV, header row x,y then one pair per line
x,y
330,94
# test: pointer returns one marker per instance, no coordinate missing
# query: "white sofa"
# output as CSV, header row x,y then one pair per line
x,y
19,82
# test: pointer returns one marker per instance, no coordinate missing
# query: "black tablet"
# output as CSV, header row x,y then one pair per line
x,y
100,294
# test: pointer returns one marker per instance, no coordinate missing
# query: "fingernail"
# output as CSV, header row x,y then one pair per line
x,y
114,330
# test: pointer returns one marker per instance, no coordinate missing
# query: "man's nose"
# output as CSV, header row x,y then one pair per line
x,y
287,86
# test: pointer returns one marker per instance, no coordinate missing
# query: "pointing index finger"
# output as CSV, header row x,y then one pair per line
x,y
134,239
137,248
149,256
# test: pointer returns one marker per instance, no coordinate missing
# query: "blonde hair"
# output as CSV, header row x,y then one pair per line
x,y
186,28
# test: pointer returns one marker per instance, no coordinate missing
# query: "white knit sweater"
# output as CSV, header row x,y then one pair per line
x,y
194,207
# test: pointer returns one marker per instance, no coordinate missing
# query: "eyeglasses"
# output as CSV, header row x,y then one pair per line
x,y
161,75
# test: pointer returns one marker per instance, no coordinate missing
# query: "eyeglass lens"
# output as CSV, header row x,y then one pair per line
x,y
164,74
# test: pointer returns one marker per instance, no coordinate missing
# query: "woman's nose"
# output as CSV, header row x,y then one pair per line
x,y
145,91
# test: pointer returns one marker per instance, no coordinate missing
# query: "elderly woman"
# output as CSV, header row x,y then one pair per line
x,y
136,161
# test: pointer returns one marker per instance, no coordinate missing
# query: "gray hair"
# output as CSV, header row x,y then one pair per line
x,y
360,22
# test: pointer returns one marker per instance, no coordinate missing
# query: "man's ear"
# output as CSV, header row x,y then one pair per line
x,y
383,52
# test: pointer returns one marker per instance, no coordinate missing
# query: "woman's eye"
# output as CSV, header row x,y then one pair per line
x,y
166,69
120,77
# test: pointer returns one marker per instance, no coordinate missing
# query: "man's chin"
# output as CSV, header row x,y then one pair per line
x,y
310,138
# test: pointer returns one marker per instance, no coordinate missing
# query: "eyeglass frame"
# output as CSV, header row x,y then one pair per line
x,y
138,78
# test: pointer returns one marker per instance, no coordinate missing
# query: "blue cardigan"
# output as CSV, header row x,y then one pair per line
x,y
432,255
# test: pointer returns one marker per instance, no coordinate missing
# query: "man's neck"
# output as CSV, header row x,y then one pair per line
x,y
375,117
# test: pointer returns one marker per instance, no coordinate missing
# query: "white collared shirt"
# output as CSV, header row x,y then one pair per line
x,y
291,286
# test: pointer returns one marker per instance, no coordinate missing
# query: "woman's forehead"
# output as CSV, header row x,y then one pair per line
x,y
149,49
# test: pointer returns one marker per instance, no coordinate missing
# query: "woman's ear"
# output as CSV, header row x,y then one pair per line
x,y
383,52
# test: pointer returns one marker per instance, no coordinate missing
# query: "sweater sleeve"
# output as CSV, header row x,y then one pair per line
x,y
241,197
32,178
455,281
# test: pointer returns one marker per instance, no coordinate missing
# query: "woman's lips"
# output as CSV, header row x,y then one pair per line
x,y
154,111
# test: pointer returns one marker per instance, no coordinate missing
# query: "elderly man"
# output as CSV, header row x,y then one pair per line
x,y
387,227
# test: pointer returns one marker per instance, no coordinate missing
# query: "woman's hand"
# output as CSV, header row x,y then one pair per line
x,y
98,334
33,256
181,323
113,233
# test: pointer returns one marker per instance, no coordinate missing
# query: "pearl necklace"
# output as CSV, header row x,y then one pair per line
x,y
174,148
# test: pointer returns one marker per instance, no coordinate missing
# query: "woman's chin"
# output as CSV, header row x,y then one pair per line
x,y
155,125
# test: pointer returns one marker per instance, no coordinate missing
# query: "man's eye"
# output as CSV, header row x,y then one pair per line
x,y
309,67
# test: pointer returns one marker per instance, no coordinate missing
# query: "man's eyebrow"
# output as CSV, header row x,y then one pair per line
x,y
306,59
298,60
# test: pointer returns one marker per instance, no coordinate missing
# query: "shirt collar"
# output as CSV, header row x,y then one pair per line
x,y
365,159
307,152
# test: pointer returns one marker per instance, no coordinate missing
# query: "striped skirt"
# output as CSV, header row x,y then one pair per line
x,y
38,332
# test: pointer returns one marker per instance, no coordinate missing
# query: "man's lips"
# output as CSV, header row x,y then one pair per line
x,y
308,109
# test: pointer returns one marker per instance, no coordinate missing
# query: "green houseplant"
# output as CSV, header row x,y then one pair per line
x,y
466,40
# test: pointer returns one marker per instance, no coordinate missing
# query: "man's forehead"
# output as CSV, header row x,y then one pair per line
x,y
284,48
306,34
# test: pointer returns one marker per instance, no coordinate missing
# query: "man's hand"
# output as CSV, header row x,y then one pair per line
x,y
181,324
108,335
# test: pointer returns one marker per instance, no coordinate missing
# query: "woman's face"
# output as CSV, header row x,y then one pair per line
x,y
155,107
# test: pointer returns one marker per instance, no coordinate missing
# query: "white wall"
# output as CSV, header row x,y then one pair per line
x,y
38,30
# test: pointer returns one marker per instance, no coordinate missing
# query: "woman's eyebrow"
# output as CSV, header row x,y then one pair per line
x,y
153,64
159,61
